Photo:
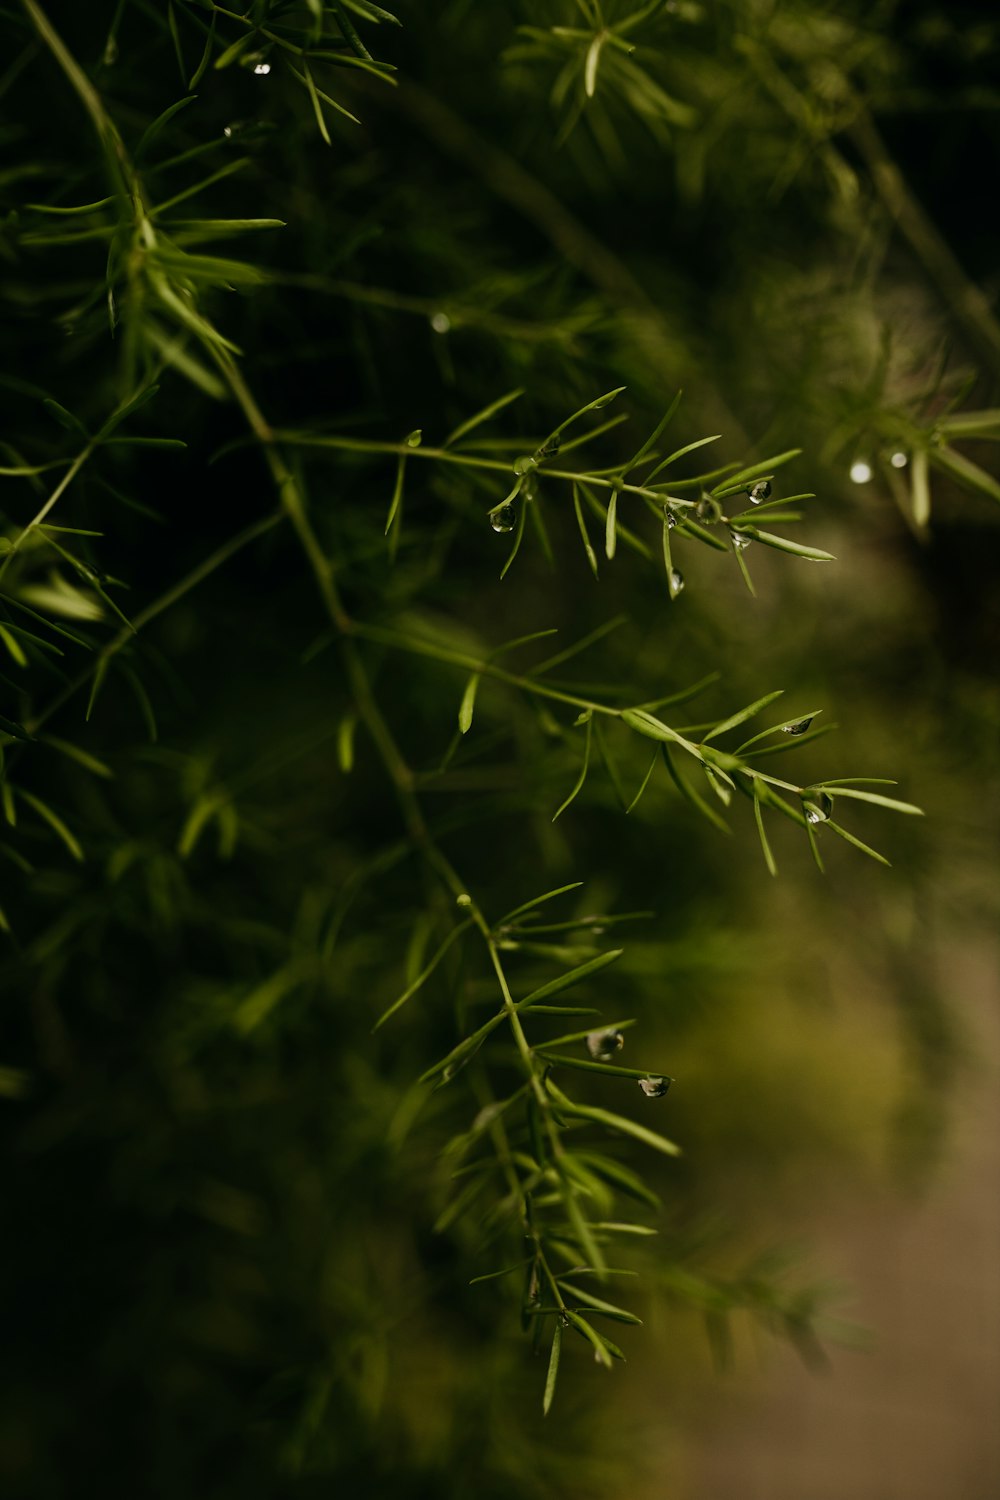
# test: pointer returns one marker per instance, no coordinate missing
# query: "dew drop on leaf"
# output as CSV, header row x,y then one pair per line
x,y
670,516
525,464
817,808
759,491
676,582
654,1088
799,727
503,518
739,541
602,1045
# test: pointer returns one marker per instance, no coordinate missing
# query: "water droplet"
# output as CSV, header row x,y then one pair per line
x,y
708,510
800,726
739,541
262,69
525,464
899,460
110,52
440,322
603,1045
231,132
464,899
861,471
414,438
759,491
817,806
676,582
550,447
564,1321
671,517
654,1088
529,489
503,518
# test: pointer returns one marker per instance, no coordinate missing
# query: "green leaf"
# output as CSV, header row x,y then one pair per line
x,y
970,475
203,808
153,129
326,98
645,783
506,1271
743,714
314,99
471,423
571,977
65,418
54,821
880,801
468,703
350,33
553,1370
14,646
774,729
592,1337
255,1008
654,729
581,523
583,770
345,743
619,1123
851,839
766,466
599,1305
968,424
611,527
89,762
759,817
782,544
654,436
15,730
518,538
690,795
680,453
584,1065
396,502
920,489
235,50
424,975
578,646
519,911
79,208
580,1036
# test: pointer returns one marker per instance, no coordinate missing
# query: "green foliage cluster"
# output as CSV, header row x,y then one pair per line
x,y
290,749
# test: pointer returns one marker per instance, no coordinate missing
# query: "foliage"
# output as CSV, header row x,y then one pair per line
x,y
305,787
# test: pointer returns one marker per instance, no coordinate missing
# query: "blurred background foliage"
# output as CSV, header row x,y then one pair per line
x,y
222,1189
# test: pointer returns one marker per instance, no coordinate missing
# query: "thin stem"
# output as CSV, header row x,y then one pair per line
x,y
467,461
53,499
197,575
